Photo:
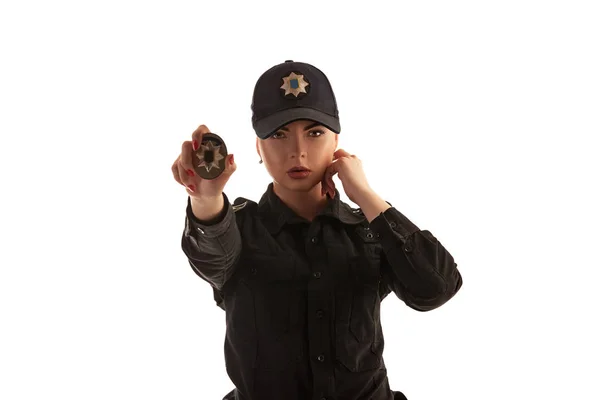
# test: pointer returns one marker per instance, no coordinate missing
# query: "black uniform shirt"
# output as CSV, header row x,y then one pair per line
x,y
302,299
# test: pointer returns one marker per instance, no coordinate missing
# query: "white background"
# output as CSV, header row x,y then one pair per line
x,y
479,120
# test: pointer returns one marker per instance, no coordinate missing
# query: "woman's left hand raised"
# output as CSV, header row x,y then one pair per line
x,y
349,169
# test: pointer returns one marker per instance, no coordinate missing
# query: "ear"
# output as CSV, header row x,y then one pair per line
x,y
257,148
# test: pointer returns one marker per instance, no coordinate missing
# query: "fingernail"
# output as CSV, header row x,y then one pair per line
x,y
195,145
231,160
190,172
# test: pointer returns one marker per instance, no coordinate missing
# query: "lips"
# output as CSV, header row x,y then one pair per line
x,y
298,169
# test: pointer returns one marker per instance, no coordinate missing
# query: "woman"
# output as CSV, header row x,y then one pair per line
x,y
301,274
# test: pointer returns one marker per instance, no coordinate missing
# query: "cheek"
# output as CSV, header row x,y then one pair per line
x,y
274,161
273,158
325,155
271,152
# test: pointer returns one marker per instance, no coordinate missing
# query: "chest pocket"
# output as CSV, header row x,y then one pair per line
x,y
358,339
270,280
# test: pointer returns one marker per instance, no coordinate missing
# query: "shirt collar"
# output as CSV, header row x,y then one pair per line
x,y
276,213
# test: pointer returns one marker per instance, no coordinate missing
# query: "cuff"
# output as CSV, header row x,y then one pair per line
x,y
214,227
392,223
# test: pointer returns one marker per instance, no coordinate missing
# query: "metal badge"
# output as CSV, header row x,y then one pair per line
x,y
209,159
294,84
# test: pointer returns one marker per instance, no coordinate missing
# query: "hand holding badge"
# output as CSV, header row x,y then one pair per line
x,y
209,159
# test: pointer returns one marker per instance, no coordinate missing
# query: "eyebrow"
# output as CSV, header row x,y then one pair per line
x,y
283,128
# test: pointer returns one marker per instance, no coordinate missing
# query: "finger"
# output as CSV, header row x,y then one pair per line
x,y
175,172
197,136
186,158
184,177
330,190
327,186
331,171
230,165
324,187
328,177
334,167
230,168
340,153
331,185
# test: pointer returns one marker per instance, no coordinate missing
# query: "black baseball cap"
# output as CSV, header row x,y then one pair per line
x,y
291,91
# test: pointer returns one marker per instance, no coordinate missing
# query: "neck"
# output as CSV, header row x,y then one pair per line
x,y
306,204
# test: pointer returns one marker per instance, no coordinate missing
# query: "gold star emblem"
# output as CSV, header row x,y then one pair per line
x,y
209,156
294,84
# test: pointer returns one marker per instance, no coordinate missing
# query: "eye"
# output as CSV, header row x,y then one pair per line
x,y
278,135
316,133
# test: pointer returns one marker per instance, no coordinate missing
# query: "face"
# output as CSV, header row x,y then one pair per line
x,y
300,143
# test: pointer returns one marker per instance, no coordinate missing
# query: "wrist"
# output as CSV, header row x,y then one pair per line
x,y
206,208
365,196
372,205
206,199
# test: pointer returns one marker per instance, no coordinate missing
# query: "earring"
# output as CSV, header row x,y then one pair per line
x,y
260,162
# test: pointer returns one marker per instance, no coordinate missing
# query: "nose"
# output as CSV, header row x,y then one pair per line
x,y
299,147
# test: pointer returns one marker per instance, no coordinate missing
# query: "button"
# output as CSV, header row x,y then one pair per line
x,y
200,230
314,239
317,274
253,270
393,224
321,358
407,247
369,235
320,313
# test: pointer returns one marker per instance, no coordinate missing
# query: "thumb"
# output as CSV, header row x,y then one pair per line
x,y
230,166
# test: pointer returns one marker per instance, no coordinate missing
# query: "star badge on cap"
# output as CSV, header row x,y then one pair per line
x,y
294,84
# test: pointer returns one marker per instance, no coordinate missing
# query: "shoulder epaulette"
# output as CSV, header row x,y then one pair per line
x,y
237,207
239,203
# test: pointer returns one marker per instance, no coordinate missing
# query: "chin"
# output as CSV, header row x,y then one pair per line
x,y
298,185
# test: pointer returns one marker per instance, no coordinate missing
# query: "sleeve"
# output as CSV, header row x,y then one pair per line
x,y
212,247
417,268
